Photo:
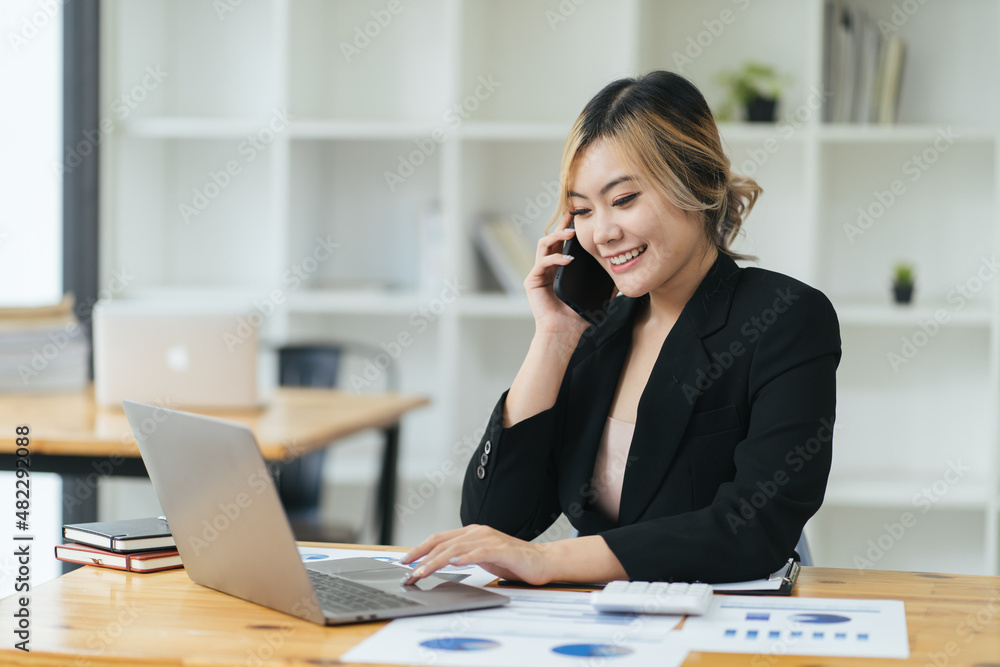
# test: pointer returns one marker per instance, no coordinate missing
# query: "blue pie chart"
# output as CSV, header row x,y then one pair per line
x,y
592,650
818,618
308,557
459,644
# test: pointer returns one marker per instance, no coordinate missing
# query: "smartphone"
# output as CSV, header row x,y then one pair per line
x,y
583,284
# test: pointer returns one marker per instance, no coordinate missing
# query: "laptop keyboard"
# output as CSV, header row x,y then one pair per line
x,y
342,596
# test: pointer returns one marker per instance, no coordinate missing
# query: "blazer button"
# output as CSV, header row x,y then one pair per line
x,y
480,472
483,459
486,447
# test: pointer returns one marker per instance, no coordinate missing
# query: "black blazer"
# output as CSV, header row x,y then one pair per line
x,y
732,443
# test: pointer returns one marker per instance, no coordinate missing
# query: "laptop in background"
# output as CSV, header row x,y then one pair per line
x,y
183,354
233,536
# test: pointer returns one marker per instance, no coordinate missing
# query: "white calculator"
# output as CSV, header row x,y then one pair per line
x,y
653,597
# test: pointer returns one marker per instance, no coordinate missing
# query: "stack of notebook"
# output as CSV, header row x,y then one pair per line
x,y
135,545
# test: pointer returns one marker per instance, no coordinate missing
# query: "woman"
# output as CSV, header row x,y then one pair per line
x,y
688,436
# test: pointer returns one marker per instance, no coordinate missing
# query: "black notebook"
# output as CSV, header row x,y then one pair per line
x,y
126,536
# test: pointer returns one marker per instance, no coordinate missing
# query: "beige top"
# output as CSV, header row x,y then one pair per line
x,y
609,468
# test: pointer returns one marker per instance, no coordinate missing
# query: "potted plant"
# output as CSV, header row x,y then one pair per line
x,y
902,282
756,88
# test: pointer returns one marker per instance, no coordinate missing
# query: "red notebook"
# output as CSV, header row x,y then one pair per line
x,y
147,561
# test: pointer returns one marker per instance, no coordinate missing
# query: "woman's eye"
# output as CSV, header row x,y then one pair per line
x,y
626,199
579,211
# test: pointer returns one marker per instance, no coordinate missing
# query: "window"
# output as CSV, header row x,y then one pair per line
x,y
31,153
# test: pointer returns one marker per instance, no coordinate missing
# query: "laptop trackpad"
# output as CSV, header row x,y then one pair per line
x,y
391,579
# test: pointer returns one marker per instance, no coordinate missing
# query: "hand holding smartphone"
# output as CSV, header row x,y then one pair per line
x,y
583,284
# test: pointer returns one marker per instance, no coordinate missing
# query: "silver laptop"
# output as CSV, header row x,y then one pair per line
x,y
233,535
179,354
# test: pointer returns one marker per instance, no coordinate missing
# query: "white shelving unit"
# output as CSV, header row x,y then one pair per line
x,y
329,127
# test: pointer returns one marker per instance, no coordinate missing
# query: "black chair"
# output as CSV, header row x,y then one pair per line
x,y
300,481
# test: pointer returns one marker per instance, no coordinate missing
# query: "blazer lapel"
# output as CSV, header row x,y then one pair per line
x,y
594,382
664,410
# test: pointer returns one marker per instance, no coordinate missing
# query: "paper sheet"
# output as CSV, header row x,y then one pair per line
x,y
473,575
800,626
538,627
772,583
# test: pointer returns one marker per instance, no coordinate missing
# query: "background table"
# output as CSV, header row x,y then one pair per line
x,y
71,436
116,618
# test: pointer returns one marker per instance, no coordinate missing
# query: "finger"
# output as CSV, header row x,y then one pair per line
x,y
427,545
546,244
544,273
564,221
446,554
549,261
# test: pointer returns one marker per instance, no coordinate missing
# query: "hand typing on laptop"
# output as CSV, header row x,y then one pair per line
x,y
582,559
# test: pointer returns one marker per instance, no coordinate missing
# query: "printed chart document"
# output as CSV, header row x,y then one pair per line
x,y
472,575
800,626
538,627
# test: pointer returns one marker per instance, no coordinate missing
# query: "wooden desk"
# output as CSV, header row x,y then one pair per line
x,y
117,618
71,436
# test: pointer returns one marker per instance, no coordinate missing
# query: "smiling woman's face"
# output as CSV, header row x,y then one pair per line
x,y
637,235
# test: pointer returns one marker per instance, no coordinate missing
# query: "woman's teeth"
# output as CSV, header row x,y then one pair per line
x,y
618,260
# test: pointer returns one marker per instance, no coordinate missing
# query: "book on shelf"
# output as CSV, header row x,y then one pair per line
x,y
508,253
890,79
123,537
862,68
43,349
146,561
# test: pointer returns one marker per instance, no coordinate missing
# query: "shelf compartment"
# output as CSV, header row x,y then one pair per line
x,y
510,41
524,197
950,63
691,38
397,65
180,213
339,192
224,66
885,203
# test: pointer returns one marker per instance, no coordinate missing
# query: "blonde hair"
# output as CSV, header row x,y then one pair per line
x,y
660,125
